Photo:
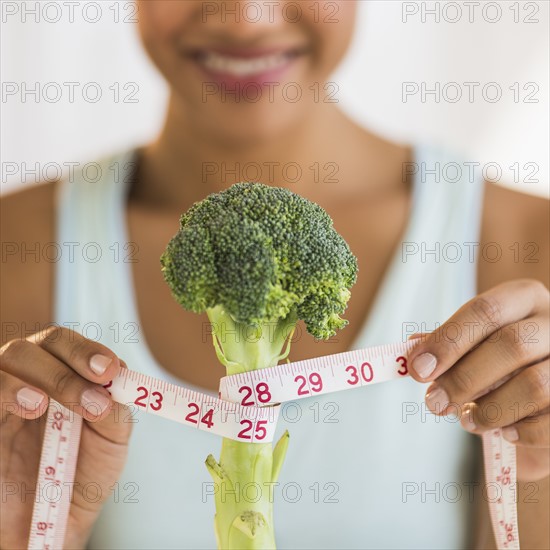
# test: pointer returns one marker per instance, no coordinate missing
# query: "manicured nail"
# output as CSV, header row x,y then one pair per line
x,y
94,401
467,420
424,365
29,399
437,399
99,363
510,433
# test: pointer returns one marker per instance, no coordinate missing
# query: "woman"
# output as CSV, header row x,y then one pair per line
x,y
362,470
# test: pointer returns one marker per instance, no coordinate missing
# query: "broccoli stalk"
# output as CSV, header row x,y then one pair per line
x,y
242,347
257,259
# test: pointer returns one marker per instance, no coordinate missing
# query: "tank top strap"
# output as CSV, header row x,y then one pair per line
x,y
90,211
447,221
449,192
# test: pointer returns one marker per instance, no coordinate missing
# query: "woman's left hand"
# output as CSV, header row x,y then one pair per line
x,y
490,364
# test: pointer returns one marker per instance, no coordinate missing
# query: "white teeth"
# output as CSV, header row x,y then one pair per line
x,y
243,67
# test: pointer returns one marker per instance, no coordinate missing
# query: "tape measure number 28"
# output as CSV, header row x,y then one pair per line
x,y
247,410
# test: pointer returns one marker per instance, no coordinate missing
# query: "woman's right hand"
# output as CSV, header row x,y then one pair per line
x,y
61,364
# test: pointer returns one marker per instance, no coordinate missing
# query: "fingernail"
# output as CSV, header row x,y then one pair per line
x,y
510,433
29,399
94,401
99,363
467,420
424,365
437,399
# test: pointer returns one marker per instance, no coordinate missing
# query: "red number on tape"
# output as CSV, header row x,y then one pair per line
x,y
191,416
248,391
244,432
58,420
262,390
403,362
509,532
301,379
354,378
371,373
367,377
505,475
156,405
140,398
315,381
207,418
260,431
158,402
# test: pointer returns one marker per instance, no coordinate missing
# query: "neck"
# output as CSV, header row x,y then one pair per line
x,y
324,148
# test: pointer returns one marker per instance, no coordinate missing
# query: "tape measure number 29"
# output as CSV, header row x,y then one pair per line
x,y
247,410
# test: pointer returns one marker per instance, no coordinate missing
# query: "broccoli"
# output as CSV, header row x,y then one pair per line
x,y
257,259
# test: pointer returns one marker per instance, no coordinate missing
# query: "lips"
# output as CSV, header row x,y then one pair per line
x,y
239,66
243,66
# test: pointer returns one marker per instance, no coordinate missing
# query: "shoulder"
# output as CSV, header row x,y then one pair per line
x,y
514,239
26,212
27,225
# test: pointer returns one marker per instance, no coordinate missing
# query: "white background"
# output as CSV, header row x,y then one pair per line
x,y
389,49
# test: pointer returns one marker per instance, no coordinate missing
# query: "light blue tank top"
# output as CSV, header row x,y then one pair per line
x,y
367,468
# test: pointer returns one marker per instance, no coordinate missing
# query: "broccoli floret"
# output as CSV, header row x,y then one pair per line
x,y
261,253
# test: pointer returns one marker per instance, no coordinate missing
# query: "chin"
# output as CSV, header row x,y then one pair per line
x,y
248,125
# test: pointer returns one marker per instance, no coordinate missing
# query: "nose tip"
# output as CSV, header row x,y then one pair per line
x,y
247,17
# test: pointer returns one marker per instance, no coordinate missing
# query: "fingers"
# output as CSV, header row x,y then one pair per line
x,y
116,427
21,399
90,359
525,395
38,369
531,432
473,323
520,402
517,346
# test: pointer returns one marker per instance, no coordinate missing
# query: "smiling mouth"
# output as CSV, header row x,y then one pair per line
x,y
239,66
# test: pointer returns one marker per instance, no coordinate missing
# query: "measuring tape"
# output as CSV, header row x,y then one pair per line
x,y
247,410
55,476
499,457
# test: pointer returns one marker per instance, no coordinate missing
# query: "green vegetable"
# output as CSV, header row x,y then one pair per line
x,y
257,259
